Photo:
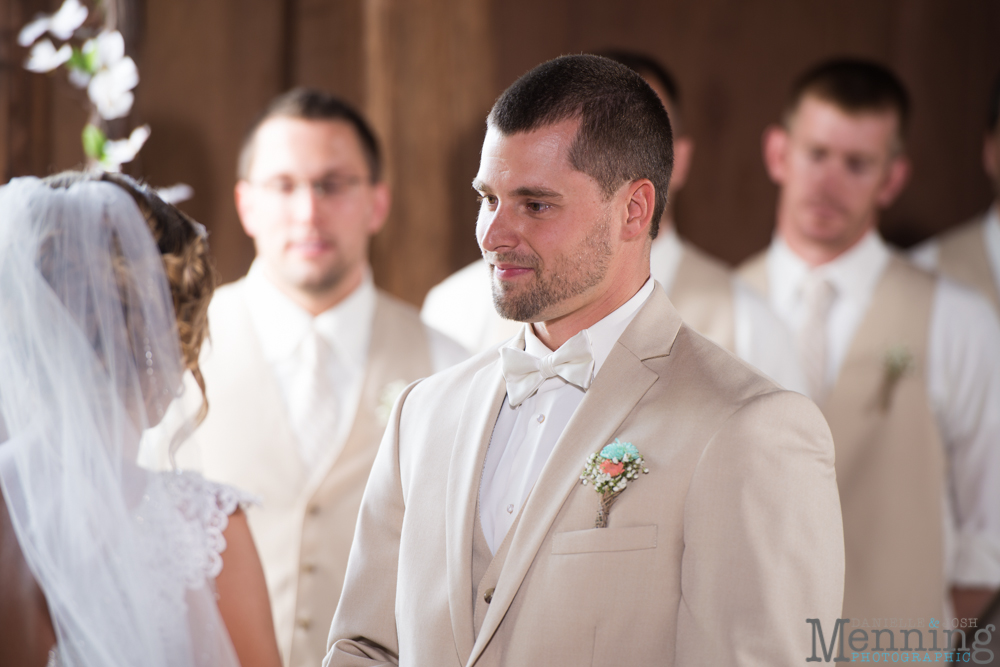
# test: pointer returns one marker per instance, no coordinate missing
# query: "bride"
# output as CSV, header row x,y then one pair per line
x,y
103,295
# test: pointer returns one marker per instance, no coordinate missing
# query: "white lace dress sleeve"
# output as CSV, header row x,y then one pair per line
x,y
192,513
197,511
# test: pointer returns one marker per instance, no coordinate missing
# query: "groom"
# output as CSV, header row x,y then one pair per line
x,y
476,542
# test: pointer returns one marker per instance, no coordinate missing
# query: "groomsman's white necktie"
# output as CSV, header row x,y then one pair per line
x,y
525,373
313,404
818,294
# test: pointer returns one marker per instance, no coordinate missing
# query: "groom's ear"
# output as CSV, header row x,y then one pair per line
x,y
243,195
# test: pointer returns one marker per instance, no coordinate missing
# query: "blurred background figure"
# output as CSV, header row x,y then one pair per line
x,y
971,253
306,355
105,289
704,291
906,367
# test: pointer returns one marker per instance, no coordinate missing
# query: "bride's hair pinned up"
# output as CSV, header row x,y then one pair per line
x,y
184,249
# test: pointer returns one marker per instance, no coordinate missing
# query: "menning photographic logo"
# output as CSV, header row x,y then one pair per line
x,y
901,640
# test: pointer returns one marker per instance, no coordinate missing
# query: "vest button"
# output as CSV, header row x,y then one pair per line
x,y
303,623
308,568
314,509
488,595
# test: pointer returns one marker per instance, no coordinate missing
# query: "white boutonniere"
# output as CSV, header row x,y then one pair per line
x,y
386,399
898,362
610,471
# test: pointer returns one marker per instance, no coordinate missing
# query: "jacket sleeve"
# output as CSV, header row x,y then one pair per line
x,y
363,632
763,538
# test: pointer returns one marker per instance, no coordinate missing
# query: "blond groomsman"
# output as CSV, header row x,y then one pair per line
x,y
704,290
906,367
478,543
970,253
306,355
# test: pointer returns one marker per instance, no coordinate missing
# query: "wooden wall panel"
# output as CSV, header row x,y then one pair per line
x,y
207,69
429,93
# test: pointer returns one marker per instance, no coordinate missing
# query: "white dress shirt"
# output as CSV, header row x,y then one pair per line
x,y
761,338
524,436
927,254
282,327
963,384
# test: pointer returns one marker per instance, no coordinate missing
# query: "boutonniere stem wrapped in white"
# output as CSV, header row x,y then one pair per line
x,y
610,472
898,362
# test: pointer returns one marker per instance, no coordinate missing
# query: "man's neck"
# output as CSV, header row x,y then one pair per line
x,y
316,302
816,253
553,333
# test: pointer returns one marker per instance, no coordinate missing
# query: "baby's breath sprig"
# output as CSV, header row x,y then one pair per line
x,y
610,471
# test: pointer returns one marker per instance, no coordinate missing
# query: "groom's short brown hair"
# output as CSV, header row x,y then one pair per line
x,y
624,131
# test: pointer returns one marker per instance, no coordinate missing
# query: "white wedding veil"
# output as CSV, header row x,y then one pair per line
x,y
89,357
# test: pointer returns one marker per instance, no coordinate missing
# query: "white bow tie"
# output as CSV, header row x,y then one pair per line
x,y
525,373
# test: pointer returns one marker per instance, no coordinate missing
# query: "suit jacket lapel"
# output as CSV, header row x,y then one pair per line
x,y
618,387
472,439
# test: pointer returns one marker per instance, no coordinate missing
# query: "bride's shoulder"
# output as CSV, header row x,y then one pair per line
x,y
199,512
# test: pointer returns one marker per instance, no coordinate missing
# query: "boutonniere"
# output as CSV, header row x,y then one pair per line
x,y
610,471
897,363
386,399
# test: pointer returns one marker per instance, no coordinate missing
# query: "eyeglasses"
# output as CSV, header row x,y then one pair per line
x,y
327,188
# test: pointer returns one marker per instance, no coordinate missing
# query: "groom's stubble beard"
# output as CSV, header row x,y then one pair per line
x,y
570,274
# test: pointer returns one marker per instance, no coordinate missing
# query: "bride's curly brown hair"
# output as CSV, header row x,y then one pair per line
x,y
183,247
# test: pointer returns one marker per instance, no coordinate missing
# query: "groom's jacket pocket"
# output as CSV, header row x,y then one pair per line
x,y
627,538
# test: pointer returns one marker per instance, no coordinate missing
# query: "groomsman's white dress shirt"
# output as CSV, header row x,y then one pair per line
x,y
462,307
525,434
963,381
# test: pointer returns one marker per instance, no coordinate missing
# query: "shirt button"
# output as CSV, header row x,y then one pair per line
x,y
488,595
510,508
540,418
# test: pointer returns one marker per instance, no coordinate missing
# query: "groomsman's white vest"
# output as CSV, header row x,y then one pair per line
x,y
962,256
890,458
305,524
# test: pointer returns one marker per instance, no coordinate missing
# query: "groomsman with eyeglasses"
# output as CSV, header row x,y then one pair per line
x,y
905,366
307,355
609,487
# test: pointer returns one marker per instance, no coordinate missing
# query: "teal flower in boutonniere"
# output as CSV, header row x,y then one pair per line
x,y
610,471
897,363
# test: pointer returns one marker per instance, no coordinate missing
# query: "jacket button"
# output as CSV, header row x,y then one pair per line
x,y
488,595
303,623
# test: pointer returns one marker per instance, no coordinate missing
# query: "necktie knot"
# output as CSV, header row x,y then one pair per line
x,y
525,373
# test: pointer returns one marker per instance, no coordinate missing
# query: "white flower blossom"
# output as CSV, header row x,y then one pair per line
x,y
175,194
111,89
61,25
105,50
44,57
118,152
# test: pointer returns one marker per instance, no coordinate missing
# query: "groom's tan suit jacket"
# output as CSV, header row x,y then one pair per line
x,y
305,522
716,557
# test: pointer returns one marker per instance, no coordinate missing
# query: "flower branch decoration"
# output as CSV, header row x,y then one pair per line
x,y
898,362
96,63
610,471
